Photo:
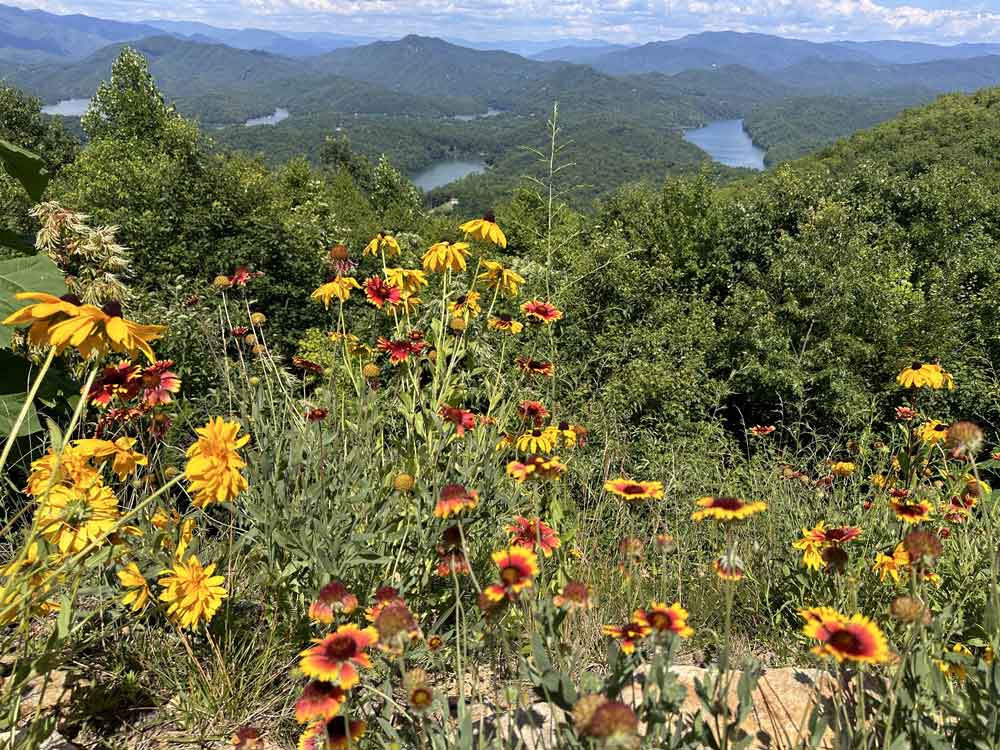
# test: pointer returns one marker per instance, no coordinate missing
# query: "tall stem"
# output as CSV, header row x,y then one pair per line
x,y
25,408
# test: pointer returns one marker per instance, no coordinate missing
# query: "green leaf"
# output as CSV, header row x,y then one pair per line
x,y
15,379
25,167
35,274
15,241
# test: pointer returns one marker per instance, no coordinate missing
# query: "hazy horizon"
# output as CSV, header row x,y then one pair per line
x,y
565,21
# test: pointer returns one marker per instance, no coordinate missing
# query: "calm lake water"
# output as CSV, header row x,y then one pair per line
x,y
68,108
727,143
444,172
272,119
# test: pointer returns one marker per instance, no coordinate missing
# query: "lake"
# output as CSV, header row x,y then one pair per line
x,y
273,119
727,142
444,172
67,108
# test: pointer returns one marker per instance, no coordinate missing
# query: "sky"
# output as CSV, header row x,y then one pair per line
x,y
628,21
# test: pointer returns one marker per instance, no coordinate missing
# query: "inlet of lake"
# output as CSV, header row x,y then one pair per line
x,y
727,142
443,172
68,108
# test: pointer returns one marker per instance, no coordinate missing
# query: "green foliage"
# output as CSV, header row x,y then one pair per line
x,y
128,105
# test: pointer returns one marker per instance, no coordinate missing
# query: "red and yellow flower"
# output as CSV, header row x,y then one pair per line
x,y
159,382
337,657
664,619
634,491
910,510
843,638
533,533
818,538
121,381
630,633
463,419
538,311
726,509
518,567
379,293
535,367
454,499
320,701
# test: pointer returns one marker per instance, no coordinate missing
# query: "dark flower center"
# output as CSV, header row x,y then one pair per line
x,y
420,697
72,299
846,642
727,503
488,216
660,620
341,648
112,309
510,575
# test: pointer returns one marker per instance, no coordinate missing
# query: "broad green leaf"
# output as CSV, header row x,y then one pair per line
x,y
15,241
25,167
16,374
35,274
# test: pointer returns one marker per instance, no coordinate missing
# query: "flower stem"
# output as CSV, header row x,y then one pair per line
x,y
25,407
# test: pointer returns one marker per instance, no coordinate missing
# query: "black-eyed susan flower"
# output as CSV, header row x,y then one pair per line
x,y
538,440
633,491
214,464
463,419
534,534
455,499
121,452
337,288
159,383
408,280
726,509
192,592
337,657
444,256
500,278
47,311
843,638
120,381
574,595
911,510
537,311
379,293
73,517
630,633
466,306
891,565
667,619
503,322
925,375
518,567
932,432
485,230
956,663
320,701
136,587
100,329
382,243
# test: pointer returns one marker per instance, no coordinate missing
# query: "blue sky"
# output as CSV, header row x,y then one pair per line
x,y
616,20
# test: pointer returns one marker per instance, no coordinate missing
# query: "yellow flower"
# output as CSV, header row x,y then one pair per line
x,y
98,329
73,517
485,229
443,255
71,466
42,315
382,243
891,565
466,306
842,468
184,538
505,323
340,288
213,467
954,669
137,588
538,441
193,593
924,375
726,509
407,280
498,276
932,432
408,304
811,551
124,460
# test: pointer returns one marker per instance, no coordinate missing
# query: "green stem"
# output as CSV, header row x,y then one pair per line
x,y
23,414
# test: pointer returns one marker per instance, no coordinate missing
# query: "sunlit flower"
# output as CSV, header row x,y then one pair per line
x,y
98,329
912,510
120,381
925,375
500,278
503,322
379,293
192,592
518,566
574,595
762,430
399,351
72,466
454,499
382,243
855,638
633,491
933,432
466,306
43,314
629,634
136,587
842,468
443,255
486,230
537,311
243,275
336,658
339,287
332,598
213,466
664,619
320,701
956,667
76,516
124,459
463,419
159,382
726,509
533,533
816,539
538,440
408,280
891,565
